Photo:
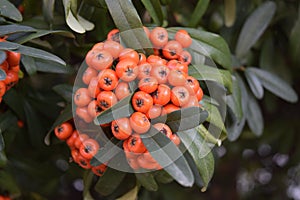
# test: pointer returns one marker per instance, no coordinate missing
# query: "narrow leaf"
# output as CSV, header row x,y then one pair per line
x,y
2,75
87,25
2,56
155,10
234,101
14,28
254,27
29,64
275,84
87,182
255,84
48,9
147,181
131,195
208,44
122,109
2,144
129,23
109,182
163,177
71,20
8,10
183,119
230,12
198,12
295,41
65,91
168,156
254,116
50,67
208,73
8,46
200,152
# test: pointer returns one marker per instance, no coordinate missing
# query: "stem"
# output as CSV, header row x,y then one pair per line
x,y
208,136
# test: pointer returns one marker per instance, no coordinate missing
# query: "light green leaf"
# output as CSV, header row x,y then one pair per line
x,y
230,12
208,73
29,64
147,181
2,75
129,23
87,25
8,10
255,84
14,28
254,27
40,33
200,152
208,44
275,84
198,12
155,10
131,195
71,20
87,182
254,116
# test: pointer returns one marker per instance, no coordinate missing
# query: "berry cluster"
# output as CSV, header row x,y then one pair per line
x,y
163,86
11,67
82,147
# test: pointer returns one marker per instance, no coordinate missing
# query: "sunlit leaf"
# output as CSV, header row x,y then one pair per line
x,y
198,12
254,27
87,25
255,84
8,10
275,84
14,28
168,156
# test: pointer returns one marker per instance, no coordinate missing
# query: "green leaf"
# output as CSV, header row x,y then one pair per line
x,y
2,56
295,41
8,183
208,73
2,144
254,27
200,152
87,182
109,182
131,195
183,119
8,46
147,181
40,33
121,109
168,156
208,44
48,9
87,25
129,23
14,28
155,10
50,67
29,64
234,101
8,10
65,91
255,84
7,120
275,84
2,75
3,158
64,116
163,177
198,12
254,116
230,12
71,20
15,102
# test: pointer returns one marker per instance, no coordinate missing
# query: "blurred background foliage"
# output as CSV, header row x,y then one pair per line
x,y
264,167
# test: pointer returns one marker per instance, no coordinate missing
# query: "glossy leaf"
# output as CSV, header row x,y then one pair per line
x,y
122,109
87,25
254,116
200,152
255,84
168,156
208,44
230,12
198,13
183,119
208,73
65,91
155,10
64,116
29,64
71,20
2,75
275,84
8,46
254,27
8,10
14,28
40,33
131,195
147,181
129,23
109,182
